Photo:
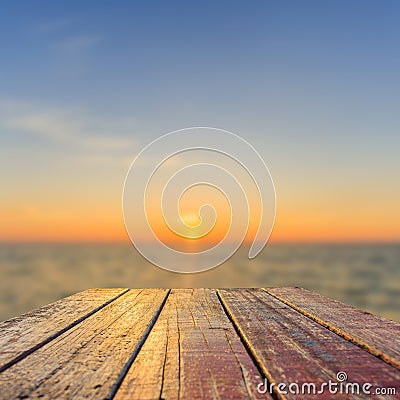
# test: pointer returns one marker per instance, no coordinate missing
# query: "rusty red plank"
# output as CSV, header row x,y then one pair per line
x,y
375,334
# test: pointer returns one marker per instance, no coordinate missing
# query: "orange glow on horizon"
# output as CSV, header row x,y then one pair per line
x,y
109,227
298,220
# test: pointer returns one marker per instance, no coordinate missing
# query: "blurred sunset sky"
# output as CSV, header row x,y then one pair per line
x,y
314,86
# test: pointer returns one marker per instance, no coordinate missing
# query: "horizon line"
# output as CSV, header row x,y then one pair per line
x,y
244,244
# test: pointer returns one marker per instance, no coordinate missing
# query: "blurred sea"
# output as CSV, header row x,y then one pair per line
x,y
365,276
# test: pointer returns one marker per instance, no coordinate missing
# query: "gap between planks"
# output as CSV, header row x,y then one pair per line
x,y
55,370
250,348
138,347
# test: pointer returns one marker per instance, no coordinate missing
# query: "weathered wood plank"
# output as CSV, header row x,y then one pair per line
x,y
375,334
87,360
290,348
192,352
26,333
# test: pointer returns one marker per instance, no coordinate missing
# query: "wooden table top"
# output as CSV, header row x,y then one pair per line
x,y
199,343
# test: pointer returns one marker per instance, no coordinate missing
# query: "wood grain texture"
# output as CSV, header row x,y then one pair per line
x,y
87,360
28,332
192,344
375,334
290,348
193,352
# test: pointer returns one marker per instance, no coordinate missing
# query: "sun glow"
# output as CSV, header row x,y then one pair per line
x,y
192,220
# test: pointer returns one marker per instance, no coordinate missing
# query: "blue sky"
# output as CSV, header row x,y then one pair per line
x,y
313,85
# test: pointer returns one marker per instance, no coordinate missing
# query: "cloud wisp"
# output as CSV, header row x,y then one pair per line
x,y
91,134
